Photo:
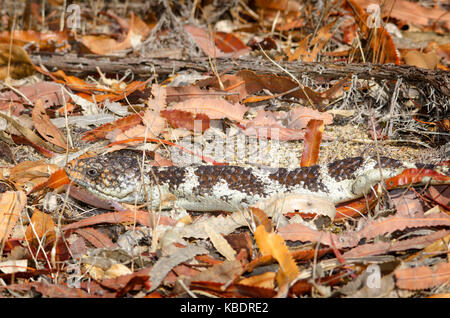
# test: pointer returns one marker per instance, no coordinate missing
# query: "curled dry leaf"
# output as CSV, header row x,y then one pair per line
x,y
181,93
154,122
431,250
96,238
140,217
299,117
283,125
260,218
221,224
30,175
439,194
407,203
14,266
233,290
31,172
355,208
322,38
223,272
268,125
117,270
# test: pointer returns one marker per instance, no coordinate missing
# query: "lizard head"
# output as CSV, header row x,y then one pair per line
x,y
113,176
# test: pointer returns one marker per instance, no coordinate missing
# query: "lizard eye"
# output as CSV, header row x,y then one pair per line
x,y
91,172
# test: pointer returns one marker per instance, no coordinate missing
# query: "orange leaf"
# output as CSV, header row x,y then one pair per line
x,y
413,175
56,180
41,226
31,173
355,208
313,138
273,244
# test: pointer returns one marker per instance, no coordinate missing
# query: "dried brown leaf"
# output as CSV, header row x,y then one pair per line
x,y
265,280
299,232
409,11
165,264
96,238
14,62
291,202
211,48
41,225
45,127
311,146
380,248
11,205
214,108
220,243
179,118
423,277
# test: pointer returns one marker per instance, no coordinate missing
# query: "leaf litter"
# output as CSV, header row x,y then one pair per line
x,y
286,246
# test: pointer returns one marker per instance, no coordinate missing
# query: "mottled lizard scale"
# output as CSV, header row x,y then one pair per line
x,y
119,176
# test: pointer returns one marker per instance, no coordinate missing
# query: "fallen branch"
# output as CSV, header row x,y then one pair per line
x,y
143,67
